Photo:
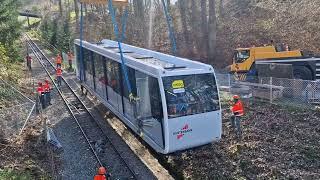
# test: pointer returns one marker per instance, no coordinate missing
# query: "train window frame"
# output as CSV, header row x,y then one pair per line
x,y
115,73
99,65
180,87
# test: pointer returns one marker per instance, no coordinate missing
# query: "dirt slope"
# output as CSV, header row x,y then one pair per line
x,y
277,143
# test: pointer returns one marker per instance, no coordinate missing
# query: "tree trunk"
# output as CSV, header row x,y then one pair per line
x,y
204,28
139,16
168,5
76,10
182,8
221,9
212,30
195,24
60,7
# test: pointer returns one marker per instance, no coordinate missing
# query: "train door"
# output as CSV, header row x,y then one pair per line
x,y
149,107
114,85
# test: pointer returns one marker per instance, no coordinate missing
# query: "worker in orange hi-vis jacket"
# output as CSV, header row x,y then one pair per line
x,y
58,60
238,112
102,174
59,76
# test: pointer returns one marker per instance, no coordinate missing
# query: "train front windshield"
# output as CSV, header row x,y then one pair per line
x,y
191,94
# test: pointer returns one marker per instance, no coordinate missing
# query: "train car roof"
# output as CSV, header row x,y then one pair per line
x,y
148,60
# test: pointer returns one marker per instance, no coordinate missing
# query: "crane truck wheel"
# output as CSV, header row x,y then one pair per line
x,y
301,72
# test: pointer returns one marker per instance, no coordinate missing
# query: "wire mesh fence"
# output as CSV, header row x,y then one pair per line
x,y
282,91
15,110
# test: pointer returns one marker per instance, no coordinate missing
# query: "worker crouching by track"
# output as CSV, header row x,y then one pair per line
x,y
238,112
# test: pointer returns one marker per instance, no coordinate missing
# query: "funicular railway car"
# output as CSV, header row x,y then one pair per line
x,y
176,101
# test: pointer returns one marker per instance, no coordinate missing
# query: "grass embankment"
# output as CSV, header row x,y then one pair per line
x,y
14,175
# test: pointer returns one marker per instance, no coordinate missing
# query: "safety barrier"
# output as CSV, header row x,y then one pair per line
x,y
15,110
282,91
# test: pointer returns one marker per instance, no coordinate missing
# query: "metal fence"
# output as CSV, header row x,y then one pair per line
x,y
291,92
15,110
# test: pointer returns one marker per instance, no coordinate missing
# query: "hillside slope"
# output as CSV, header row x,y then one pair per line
x,y
256,22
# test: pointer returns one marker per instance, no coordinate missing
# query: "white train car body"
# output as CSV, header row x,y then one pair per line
x,y
176,101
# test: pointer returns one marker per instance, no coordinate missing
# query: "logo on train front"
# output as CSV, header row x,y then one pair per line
x,y
184,130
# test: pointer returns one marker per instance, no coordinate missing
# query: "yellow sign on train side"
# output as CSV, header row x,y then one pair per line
x,y
176,84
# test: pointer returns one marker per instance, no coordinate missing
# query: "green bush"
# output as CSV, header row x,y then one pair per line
x,y
14,175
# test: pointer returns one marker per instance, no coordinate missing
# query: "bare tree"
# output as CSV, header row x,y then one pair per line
x,y
212,31
60,7
221,9
138,7
168,5
76,10
204,26
195,24
182,8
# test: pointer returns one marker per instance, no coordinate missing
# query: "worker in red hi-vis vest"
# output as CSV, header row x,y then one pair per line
x,y
59,76
47,89
238,112
58,60
102,174
40,96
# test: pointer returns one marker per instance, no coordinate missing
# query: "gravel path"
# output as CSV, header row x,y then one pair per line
x,y
76,160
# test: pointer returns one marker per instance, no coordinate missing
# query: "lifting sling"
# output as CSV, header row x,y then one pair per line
x,y
121,38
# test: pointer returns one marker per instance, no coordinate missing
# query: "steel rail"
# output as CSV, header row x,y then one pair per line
x,y
83,105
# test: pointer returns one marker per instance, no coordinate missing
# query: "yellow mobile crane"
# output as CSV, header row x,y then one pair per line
x,y
304,65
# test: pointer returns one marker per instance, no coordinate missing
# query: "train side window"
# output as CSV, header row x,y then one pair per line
x,y
113,74
149,104
100,79
88,67
155,99
191,94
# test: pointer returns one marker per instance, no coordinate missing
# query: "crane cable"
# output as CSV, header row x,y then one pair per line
x,y
119,40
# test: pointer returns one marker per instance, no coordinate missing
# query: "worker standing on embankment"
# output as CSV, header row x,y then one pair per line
x,y
238,112
58,60
47,89
40,97
59,76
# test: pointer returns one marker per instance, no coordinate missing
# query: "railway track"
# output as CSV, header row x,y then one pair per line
x,y
102,147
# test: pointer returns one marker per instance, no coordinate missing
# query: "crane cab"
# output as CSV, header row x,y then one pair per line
x,y
244,58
